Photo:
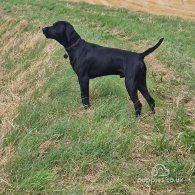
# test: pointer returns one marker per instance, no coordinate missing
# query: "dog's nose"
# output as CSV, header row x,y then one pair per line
x,y
44,30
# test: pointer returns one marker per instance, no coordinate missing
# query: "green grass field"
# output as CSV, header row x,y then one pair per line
x,y
52,145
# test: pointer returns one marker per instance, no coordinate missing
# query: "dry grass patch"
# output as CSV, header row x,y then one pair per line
x,y
11,96
16,44
45,146
16,89
190,110
5,155
9,37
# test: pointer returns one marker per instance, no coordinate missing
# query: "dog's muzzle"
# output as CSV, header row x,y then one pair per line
x,y
44,30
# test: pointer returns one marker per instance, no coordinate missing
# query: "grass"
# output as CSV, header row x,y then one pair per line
x,y
59,147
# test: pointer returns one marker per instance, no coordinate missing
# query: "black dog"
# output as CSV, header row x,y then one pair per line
x,y
90,60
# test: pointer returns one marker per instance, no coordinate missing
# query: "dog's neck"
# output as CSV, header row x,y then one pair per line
x,y
73,45
74,50
68,42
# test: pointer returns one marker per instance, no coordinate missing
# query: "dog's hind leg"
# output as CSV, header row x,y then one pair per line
x,y
144,91
142,87
131,86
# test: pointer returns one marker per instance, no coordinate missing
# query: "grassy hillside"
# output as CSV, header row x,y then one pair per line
x,y
53,145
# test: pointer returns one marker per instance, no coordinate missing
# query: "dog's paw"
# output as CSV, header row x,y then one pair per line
x,y
138,113
86,106
153,111
152,107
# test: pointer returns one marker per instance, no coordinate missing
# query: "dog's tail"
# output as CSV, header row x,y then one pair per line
x,y
150,50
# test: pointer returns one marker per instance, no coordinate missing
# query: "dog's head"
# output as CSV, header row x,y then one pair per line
x,y
63,32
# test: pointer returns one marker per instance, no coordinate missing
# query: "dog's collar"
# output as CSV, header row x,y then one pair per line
x,y
74,44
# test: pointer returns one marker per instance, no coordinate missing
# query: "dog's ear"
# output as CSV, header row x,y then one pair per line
x,y
71,35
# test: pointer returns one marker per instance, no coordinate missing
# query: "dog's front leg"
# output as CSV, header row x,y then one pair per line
x,y
84,85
